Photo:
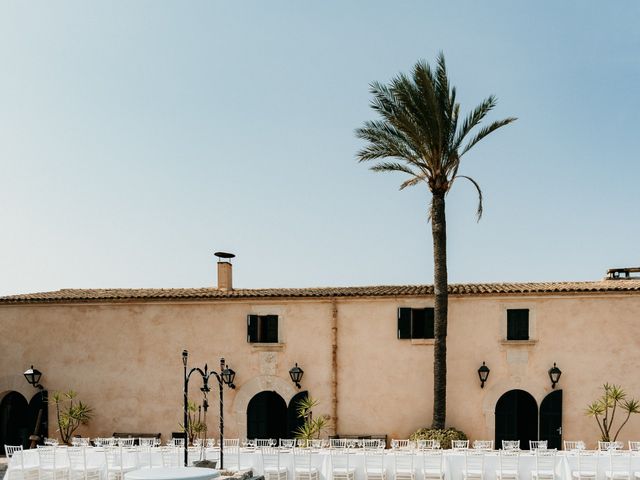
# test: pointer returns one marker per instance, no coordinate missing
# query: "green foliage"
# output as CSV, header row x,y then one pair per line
x,y
70,413
196,425
443,435
604,409
312,427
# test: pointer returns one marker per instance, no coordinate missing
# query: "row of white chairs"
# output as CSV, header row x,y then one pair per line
x,y
73,463
634,446
343,468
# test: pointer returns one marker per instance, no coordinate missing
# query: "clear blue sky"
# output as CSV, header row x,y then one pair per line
x,y
137,138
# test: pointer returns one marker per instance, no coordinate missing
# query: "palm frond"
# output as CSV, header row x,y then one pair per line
x,y
486,131
474,118
475,184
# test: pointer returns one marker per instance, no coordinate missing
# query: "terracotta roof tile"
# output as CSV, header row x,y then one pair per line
x,y
471,289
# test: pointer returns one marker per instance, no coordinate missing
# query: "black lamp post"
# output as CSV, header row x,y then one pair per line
x,y
483,373
554,375
33,376
296,375
226,376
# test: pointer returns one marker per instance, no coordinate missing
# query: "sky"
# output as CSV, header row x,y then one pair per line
x,y
138,138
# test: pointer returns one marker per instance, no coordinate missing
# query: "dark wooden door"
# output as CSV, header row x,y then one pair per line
x,y
267,416
516,418
293,419
14,421
551,419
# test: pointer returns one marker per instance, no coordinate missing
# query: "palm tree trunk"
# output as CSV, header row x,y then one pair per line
x,y
440,284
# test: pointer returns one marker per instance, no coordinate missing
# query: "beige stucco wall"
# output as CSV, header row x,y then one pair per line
x,y
125,359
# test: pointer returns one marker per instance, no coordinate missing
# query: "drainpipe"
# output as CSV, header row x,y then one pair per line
x,y
334,364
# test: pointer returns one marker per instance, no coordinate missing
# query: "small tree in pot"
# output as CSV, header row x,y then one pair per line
x,y
70,413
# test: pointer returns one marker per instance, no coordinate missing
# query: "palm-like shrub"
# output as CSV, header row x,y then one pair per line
x,y
604,409
70,413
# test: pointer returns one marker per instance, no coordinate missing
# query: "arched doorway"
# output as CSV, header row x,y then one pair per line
x,y
14,420
294,421
516,418
551,419
267,416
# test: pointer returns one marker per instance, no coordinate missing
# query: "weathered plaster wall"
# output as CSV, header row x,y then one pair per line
x,y
124,359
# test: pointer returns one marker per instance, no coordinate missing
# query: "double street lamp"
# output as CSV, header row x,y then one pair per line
x,y
225,377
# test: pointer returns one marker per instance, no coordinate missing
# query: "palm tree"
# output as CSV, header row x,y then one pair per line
x,y
419,134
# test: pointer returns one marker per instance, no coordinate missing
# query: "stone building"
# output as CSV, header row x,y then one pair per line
x,y
366,353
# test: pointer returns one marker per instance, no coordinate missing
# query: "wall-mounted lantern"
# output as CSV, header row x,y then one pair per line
x,y
483,373
554,375
33,376
296,375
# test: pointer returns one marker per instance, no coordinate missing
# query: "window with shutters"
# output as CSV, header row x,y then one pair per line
x,y
262,328
518,324
414,323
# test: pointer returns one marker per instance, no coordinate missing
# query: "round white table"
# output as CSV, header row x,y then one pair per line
x,y
172,473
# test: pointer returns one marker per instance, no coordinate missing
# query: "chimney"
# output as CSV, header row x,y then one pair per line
x,y
623,273
224,270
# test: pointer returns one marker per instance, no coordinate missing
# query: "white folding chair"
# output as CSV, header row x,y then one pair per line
x,y
146,441
458,444
126,442
271,467
604,446
287,442
171,456
341,468
232,457
587,466
52,464
400,444
432,464
508,464
176,442
371,443
79,468
338,443
374,465
619,465
427,444
473,464
537,444
119,461
483,444
634,446
303,469
545,467
511,444
574,445
265,442
403,465
17,467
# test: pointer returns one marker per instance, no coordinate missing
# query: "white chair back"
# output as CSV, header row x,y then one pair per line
x,y
483,444
587,465
537,444
287,442
400,444
338,443
634,446
374,464
511,444
9,450
459,444
619,465
604,446
574,445
171,456
508,463
474,463
403,463
432,463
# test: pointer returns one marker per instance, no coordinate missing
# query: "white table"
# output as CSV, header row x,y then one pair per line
x,y
172,473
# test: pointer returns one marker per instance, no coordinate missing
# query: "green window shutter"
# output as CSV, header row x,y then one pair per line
x,y
518,324
252,328
418,323
404,323
429,314
271,330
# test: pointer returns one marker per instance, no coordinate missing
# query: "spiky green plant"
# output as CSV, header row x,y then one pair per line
x,y
420,131
70,413
196,425
312,427
604,409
